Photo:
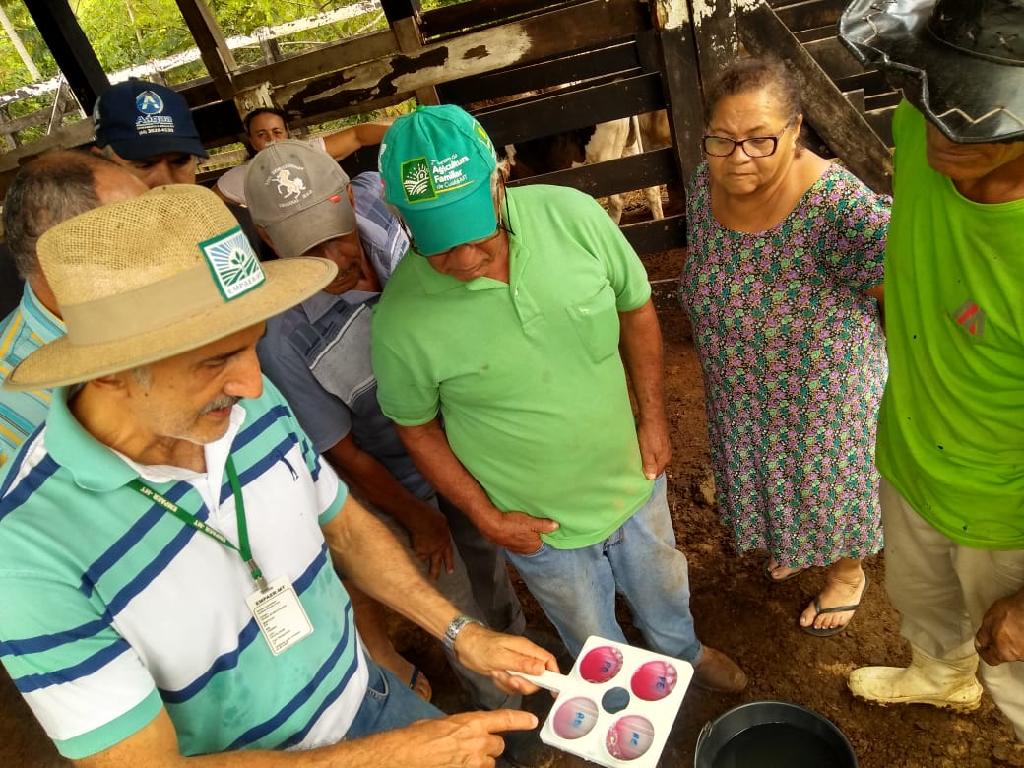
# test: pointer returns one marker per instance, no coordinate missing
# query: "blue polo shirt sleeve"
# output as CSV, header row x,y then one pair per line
x,y
626,274
322,416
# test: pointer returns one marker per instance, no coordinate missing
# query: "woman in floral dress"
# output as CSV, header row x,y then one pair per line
x,y
782,284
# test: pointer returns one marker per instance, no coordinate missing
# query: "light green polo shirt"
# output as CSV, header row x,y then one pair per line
x,y
951,428
527,375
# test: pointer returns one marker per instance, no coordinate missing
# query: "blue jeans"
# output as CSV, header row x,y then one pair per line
x,y
576,587
388,704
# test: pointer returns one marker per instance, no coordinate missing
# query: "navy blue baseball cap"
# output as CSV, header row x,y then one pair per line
x,y
140,120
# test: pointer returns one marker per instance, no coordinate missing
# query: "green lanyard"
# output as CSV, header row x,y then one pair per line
x,y
191,520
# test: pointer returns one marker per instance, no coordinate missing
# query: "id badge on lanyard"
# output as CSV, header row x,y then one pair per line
x,y
276,607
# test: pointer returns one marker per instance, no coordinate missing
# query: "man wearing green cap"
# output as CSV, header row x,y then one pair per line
x,y
509,329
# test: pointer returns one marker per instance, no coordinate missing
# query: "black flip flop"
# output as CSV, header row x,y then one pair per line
x,y
773,580
818,610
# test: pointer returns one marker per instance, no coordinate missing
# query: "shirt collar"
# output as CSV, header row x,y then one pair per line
x,y
519,248
319,304
97,467
92,465
41,321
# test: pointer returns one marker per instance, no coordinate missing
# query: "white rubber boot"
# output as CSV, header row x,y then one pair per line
x,y
943,683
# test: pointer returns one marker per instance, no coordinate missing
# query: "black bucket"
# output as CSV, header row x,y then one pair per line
x,y
772,734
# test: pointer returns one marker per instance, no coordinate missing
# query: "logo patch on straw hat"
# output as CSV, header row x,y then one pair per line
x,y
233,263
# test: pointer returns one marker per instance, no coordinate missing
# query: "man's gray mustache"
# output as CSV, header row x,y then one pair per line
x,y
218,404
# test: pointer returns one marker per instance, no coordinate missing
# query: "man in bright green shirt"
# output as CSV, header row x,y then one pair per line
x,y
951,427
509,328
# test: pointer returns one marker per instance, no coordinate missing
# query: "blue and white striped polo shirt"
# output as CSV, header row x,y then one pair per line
x,y
112,608
26,329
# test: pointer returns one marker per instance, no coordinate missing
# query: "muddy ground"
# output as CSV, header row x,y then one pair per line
x,y
736,611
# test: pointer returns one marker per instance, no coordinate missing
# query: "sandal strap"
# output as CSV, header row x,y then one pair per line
x,y
839,609
819,610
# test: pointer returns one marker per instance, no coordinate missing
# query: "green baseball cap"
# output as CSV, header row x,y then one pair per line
x,y
436,164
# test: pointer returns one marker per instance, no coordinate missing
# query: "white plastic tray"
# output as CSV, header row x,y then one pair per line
x,y
598,735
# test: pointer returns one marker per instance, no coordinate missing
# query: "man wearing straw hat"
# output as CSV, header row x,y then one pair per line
x,y
951,426
168,533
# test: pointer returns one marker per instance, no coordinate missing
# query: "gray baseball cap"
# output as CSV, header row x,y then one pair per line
x,y
299,194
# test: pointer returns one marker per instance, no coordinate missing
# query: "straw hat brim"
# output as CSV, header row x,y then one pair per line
x,y
61,363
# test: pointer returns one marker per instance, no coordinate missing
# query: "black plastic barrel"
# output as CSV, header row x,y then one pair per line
x,y
772,734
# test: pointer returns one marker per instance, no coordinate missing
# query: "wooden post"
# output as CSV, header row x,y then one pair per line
x,y
217,57
269,46
70,48
681,79
8,141
714,32
60,100
403,18
252,98
835,119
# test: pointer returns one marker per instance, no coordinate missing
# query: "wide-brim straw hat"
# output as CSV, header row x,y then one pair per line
x,y
148,278
961,63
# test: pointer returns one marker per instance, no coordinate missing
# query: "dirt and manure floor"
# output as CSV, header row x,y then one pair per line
x,y
736,610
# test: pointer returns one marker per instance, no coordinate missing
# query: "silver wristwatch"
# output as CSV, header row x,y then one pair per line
x,y
456,626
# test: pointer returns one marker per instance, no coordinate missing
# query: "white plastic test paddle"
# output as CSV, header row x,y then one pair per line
x,y
617,704
552,681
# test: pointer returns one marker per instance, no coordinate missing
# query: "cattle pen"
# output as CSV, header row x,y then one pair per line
x,y
552,66
529,70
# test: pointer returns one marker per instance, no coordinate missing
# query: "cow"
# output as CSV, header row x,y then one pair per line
x,y
624,137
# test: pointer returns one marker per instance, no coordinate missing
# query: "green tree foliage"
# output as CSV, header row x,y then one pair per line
x,y
13,73
129,33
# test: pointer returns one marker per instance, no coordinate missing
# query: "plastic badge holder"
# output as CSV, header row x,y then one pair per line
x,y
617,704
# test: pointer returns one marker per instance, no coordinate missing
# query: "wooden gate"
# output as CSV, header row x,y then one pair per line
x,y
608,59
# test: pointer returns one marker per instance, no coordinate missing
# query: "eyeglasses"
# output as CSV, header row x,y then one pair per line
x,y
754,147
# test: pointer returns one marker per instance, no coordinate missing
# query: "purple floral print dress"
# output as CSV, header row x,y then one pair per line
x,y
794,366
